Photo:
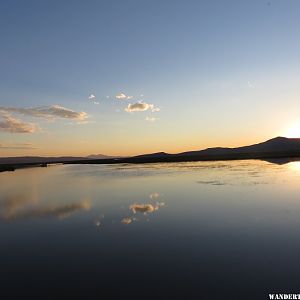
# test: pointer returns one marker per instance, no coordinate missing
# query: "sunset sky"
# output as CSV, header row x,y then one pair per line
x,y
134,76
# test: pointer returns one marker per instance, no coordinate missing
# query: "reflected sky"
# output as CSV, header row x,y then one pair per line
x,y
180,223
123,191
16,208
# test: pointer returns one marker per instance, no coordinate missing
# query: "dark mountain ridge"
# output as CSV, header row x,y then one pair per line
x,y
101,156
279,148
272,145
278,144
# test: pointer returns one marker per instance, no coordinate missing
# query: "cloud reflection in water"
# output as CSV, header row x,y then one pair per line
x,y
15,208
126,221
143,209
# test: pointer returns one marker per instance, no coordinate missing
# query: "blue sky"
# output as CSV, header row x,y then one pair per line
x,y
221,73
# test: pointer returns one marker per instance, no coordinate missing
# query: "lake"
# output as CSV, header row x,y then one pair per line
x,y
201,230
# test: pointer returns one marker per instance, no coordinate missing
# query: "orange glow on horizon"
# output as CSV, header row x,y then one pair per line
x,y
133,147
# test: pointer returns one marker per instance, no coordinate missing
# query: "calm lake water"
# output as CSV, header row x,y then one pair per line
x,y
204,230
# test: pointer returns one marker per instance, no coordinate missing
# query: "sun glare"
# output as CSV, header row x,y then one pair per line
x,y
293,131
294,165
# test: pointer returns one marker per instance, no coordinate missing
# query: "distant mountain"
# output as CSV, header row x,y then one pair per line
x,y
275,145
280,148
278,144
40,159
37,159
157,154
101,156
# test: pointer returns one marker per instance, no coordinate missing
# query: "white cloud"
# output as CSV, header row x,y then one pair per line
x,y
139,106
92,97
47,112
151,119
122,96
14,125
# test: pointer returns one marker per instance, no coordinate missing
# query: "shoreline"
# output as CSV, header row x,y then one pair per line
x,y
272,157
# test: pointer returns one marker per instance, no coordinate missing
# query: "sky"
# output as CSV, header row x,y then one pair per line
x,y
125,77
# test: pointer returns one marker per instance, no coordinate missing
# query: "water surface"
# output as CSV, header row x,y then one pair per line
x,y
201,230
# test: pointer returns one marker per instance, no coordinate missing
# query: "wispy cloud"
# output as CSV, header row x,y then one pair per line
x,y
122,96
151,119
93,99
155,109
250,84
14,125
47,112
16,146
